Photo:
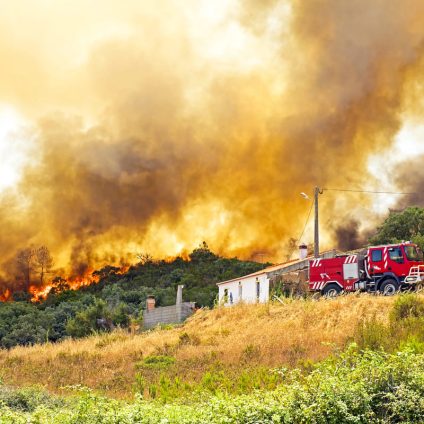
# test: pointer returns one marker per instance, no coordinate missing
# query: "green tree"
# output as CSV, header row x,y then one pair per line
x,y
202,254
121,315
405,225
95,318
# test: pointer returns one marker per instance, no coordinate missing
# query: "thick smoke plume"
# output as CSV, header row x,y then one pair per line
x,y
350,236
411,179
153,135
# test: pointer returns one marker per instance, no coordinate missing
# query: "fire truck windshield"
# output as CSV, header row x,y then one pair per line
x,y
413,254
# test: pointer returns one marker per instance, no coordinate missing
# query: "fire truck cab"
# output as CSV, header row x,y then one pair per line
x,y
385,269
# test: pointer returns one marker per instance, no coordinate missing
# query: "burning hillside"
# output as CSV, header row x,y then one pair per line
x,y
154,126
57,285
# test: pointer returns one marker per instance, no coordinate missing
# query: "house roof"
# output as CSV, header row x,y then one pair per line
x,y
261,271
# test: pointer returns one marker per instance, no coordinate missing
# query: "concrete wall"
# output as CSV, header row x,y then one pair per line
x,y
167,314
248,290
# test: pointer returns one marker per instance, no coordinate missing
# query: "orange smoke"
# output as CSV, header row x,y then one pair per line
x,y
152,138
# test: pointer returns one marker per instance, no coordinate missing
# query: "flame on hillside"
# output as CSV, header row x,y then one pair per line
x,y
5,296
39,293
74,283
89,278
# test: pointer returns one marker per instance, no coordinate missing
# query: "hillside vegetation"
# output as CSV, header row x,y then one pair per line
x,y
358,358
118,297
233,347
117,300
354,359
354,387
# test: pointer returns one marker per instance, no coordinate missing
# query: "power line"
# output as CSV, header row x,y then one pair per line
x,y
369,191
306,223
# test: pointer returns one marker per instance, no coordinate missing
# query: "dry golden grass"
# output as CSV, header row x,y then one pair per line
x,y
243,336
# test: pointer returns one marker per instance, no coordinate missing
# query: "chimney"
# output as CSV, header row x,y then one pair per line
x,y
150,303
179,303
303,251
180,295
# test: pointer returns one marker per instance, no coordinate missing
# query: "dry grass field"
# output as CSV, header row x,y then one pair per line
x,y
242,337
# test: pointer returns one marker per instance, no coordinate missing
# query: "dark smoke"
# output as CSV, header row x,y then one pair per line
x,y
349,236
410,179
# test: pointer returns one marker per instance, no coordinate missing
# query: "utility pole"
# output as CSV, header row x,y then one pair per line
x,y
317,192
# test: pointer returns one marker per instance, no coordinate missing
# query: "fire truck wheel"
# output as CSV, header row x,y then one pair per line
x,y
389,287
331,290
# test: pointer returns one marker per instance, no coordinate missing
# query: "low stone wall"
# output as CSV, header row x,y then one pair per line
x,y
167,314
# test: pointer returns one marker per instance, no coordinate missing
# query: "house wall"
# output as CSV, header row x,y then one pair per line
x,y
248,290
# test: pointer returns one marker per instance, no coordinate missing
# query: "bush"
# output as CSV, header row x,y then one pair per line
x,y
27,399
95,318
372,334
367,387
157,362
407,306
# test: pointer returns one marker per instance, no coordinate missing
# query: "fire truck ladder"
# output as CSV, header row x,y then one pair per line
x,y
416,275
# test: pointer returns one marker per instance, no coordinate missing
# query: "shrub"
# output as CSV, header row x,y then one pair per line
x,y
157,362
372,334
407,306
27,399
354,387
188,339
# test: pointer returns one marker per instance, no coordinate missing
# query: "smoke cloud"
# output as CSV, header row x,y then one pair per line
x,y
158,126
411,180
350,236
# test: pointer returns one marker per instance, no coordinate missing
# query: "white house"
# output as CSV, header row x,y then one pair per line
x,y
250,288
255,288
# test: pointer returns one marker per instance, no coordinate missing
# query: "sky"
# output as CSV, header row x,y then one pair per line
x,y
152,126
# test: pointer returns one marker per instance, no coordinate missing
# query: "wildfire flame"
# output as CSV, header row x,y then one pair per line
x,y
73,283
5,296
39,293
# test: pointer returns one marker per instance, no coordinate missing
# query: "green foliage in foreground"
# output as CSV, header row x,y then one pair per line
x,y
405,327
355,387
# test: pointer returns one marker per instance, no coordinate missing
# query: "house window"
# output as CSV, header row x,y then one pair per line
x,y
225,298
240,291
258,289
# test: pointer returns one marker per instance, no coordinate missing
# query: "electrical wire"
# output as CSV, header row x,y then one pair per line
x,y
306,223
369,191
352,191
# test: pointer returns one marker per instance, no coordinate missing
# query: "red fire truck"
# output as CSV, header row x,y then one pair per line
x,y
385,269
